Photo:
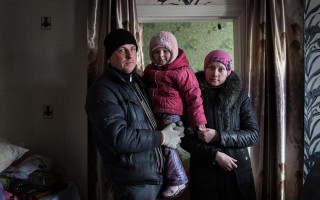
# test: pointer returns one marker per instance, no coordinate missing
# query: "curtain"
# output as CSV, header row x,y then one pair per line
x,y
275,81
104,16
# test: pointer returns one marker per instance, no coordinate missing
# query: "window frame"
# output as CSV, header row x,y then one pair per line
x,y
234,10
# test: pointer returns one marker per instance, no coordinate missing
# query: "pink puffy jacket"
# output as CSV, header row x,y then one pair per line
x,y
174,89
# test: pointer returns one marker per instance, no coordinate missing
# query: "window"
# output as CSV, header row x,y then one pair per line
x,y
233,10
197,39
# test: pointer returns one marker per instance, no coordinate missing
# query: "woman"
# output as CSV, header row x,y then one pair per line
x,y
220,166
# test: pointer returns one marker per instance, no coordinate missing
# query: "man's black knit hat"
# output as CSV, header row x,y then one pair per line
x,y
117,38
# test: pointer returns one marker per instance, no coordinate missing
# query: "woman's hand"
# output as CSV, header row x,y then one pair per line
x,y
226,162
208,135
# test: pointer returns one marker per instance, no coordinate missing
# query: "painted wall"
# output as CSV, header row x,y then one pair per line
x,y
312,84
45,67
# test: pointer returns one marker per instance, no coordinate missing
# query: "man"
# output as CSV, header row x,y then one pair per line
x,y
124,126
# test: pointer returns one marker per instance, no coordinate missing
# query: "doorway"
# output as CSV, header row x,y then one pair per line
x,y
197,39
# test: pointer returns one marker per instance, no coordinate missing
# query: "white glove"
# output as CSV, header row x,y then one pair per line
x,y
179,127
171,135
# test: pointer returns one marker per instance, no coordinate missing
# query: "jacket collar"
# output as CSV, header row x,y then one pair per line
x,y
116,75
227,94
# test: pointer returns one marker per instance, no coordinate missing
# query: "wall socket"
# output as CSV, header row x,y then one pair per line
x,y
45,23
48,112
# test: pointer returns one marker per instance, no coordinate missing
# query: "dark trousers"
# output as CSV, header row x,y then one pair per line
x,y
136,192
214,183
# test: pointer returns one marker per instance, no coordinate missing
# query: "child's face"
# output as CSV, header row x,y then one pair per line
x,y
161,56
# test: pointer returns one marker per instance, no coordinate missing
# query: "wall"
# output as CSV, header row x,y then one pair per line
x,y
45,67
312,84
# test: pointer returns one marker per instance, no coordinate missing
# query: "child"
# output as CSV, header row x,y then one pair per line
x,y
175,95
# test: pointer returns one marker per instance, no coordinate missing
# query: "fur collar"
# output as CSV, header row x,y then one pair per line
x,y
227,94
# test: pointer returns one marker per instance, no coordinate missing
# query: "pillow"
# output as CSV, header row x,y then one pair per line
x,y
9,153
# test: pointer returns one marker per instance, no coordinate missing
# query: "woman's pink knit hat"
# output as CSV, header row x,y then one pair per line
x,y
166,40
219,56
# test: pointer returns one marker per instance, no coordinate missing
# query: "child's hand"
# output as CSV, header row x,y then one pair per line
x,y
201,126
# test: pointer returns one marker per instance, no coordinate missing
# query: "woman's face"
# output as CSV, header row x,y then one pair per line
x,y
216,74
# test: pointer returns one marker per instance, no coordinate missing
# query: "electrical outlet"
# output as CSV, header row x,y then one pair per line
x,y
45,23
48,112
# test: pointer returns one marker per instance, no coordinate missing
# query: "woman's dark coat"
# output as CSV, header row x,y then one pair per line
x,y
129,146
229,111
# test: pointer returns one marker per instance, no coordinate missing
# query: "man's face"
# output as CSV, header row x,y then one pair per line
x,y
124,58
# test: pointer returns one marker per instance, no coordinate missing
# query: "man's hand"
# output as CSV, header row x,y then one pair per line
x,y
226,162
179,126
171,135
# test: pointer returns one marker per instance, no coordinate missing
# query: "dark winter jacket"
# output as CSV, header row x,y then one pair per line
x,y
129,147
174,89
229,111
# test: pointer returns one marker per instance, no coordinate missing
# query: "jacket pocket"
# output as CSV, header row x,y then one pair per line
x,y
125,161
243,157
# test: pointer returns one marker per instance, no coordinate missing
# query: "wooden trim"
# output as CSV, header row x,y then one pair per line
x,y
234,11
154,13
